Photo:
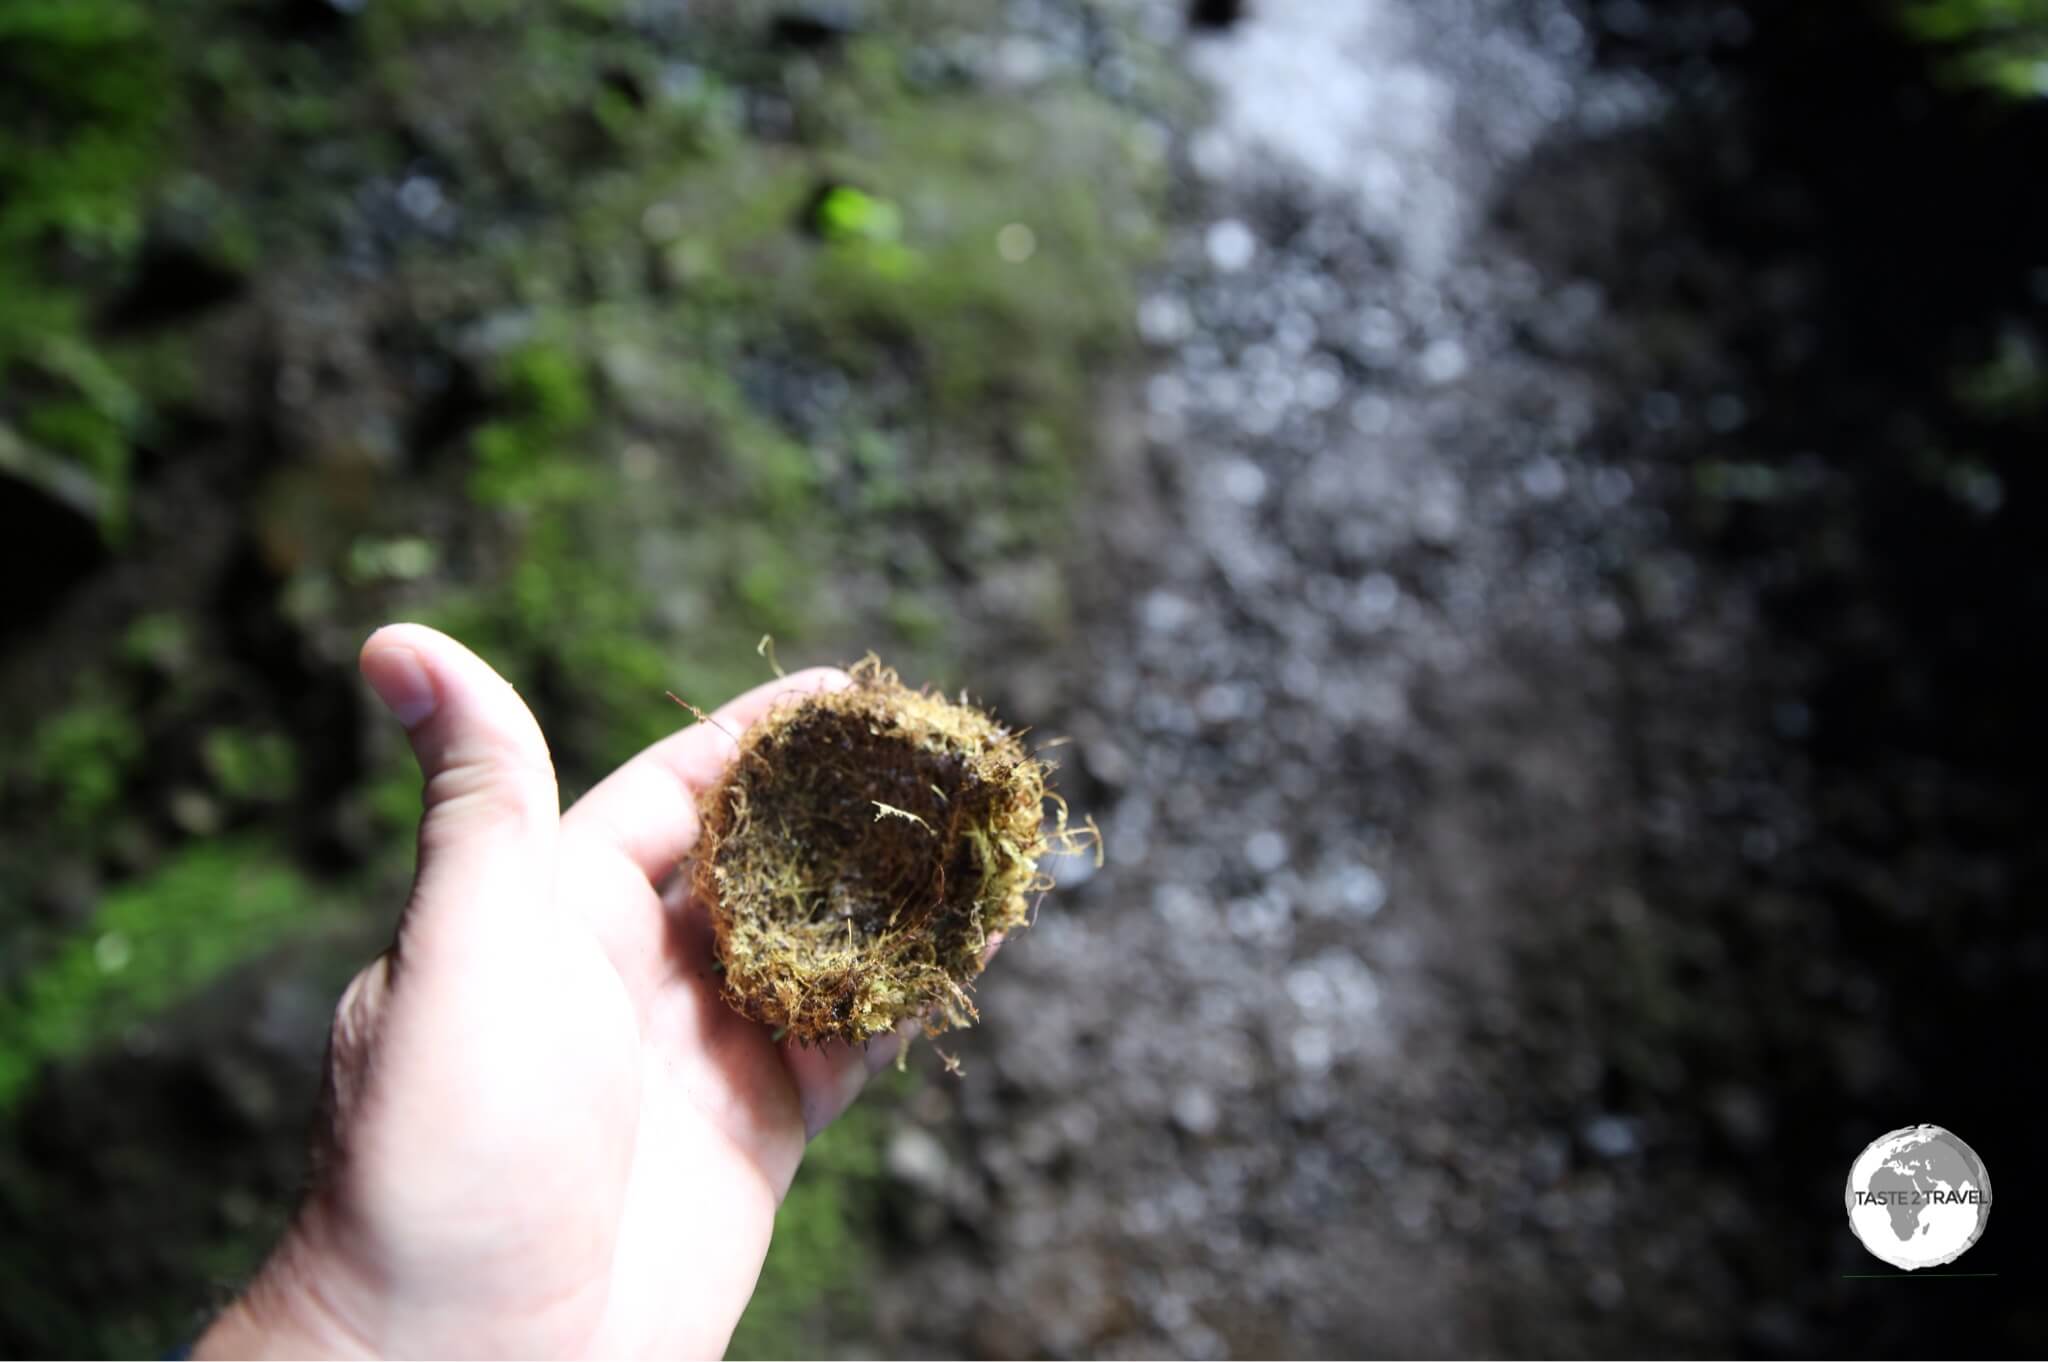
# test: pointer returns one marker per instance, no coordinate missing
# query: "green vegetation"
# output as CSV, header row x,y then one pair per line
x,y
251,766
1999,44
86,106
620,419
606,341
152,943
82,759
815,1270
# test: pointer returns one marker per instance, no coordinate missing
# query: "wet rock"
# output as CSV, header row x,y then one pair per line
x,y
1231,245
916,1158
1611,1137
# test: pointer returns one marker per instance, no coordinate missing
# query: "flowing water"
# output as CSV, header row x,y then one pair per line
x,y
1410,1013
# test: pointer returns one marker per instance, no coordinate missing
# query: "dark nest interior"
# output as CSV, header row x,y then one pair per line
x,y
863,853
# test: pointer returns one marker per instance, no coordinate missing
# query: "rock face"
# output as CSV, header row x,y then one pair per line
x,y
317,314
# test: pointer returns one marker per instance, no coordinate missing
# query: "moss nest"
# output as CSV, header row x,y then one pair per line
x,y
863,851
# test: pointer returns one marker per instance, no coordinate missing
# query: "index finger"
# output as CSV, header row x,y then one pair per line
x,y
647,809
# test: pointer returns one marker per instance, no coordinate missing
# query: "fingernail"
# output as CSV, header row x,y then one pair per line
x,y
402,684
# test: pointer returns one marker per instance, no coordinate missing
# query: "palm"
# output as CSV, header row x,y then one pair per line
x,y
550,1134
716,1136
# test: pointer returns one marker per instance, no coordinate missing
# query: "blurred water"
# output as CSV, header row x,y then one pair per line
x,y
1347,711
1410,111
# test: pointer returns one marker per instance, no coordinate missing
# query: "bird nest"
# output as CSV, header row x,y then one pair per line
x,y
863,852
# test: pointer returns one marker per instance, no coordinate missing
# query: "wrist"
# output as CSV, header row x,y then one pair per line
x,y
285,1311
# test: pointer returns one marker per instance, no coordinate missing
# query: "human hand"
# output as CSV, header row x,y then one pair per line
x,y
546,1133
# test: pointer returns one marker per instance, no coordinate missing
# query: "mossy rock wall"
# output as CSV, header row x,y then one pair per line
x,y
607,336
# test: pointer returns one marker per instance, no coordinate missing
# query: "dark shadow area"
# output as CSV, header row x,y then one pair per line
x,y
1838,254
1214,14
193,1136
47,545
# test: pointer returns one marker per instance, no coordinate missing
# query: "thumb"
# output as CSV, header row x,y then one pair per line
x,y
487,835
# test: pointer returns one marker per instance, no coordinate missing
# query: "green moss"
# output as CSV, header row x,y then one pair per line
x,y
86,104
548,380
2001,45
522,465
251,766
286,90
391,797
83,757
628,707
1061,175
916,619
396,558
561,623
160,639
76,428
771,582
816,1267
151,943
625,460
847,214
529,458
158,370
983,369
76,408
657,476
84,95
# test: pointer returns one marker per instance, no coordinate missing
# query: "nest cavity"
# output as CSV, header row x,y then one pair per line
x,y
862,851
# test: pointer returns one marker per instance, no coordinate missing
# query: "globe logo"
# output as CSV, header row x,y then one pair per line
x,y
1918,1197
